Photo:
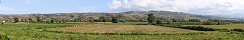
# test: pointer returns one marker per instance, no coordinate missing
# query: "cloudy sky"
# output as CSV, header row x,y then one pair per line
x,y
232,8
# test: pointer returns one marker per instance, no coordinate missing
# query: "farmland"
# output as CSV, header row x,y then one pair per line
x,y
229,26
121,20
107,31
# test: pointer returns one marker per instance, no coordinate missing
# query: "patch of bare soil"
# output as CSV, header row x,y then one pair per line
x,y
101,28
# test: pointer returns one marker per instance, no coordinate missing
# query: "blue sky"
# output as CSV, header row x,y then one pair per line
x,y
229,8
53,6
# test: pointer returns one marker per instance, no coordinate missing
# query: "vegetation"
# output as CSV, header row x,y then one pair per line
x,y
159,22
93,31
16,20
38,18
151,18
121,26
115,20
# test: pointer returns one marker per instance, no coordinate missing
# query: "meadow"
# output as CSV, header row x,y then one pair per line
x,y
227,26
110,31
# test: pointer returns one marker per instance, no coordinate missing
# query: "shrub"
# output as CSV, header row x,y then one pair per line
x,y
208,23
239,30
151,18
200,28
115,20
159,22
188,23
16,20
3,37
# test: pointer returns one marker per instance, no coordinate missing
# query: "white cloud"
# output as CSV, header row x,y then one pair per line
x,y
191,6
115,4
6,8
29,1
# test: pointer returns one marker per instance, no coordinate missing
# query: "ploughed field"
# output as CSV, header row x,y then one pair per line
x,y
105,28
109,31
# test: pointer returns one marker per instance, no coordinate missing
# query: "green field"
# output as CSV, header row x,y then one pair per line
x,y
109,31
227,26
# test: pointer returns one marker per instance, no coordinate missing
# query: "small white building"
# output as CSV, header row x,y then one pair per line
x,y
4,21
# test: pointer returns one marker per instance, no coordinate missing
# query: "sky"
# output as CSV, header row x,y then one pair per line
x,y
229,8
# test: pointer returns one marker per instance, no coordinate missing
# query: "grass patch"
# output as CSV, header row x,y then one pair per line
x,y
42,31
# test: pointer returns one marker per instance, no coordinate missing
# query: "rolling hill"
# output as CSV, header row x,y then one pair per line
x,y
130,15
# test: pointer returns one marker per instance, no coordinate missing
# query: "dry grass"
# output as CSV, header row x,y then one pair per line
x,y
106,28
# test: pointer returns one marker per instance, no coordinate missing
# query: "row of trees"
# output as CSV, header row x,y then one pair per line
x,y
151,19
114,19
40,19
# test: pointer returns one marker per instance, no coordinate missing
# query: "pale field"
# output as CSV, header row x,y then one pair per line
x,y
107,28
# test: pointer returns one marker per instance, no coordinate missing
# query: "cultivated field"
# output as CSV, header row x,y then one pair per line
x,y
107,31
227,26
108,28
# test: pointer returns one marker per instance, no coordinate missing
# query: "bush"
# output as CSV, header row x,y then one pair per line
x,y
222,23
115,20
200,28
239,30
159,22
3,37
188,23
208,23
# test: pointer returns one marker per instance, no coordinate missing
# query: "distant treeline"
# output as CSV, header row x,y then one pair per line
x,y
158,17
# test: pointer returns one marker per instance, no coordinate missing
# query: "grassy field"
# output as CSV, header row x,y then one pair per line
x,y
227,26
107,31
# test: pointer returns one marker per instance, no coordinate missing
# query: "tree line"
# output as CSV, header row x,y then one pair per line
x,y
151,19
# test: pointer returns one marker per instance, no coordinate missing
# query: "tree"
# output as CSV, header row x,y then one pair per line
x,y
151,18
104,19
38,18
159,22
195,20
208,23
52,20
16,20
30,20
115,20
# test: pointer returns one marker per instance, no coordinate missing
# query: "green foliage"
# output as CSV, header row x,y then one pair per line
x,y
38,18
200,23
200,28
151,18
208,23
4,37
159,22
194,20
214,23
188,23
40,31
105,19
16,20
30,20
52,20
115,20
239,30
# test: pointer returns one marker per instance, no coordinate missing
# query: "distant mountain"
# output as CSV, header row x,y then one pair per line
x,y
130,15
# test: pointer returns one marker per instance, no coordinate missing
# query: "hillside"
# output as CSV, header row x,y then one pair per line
x,y
129,16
